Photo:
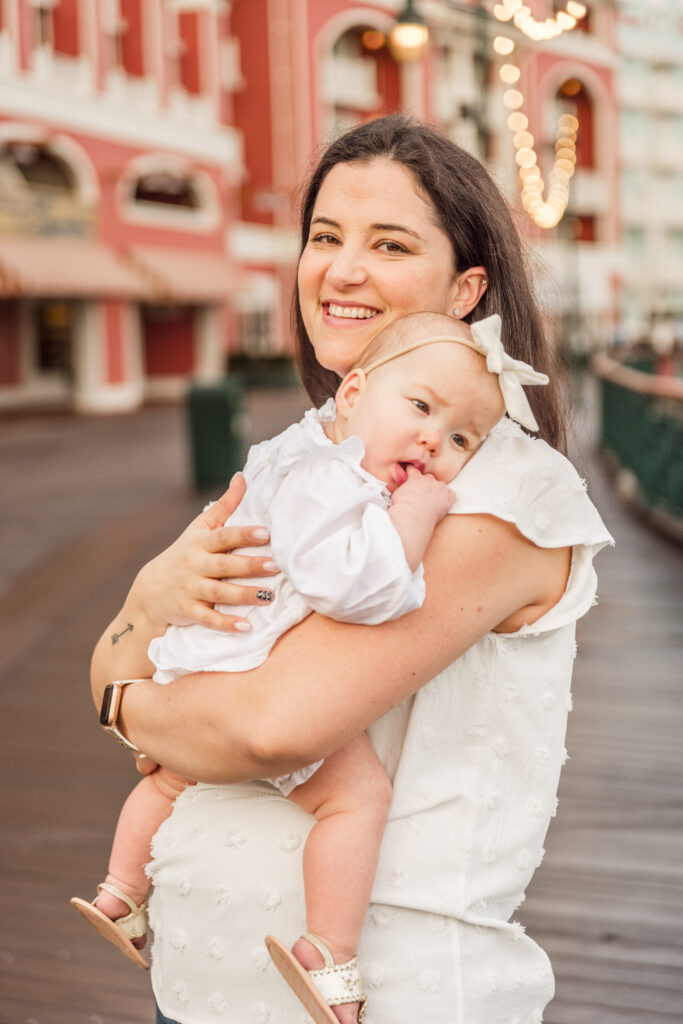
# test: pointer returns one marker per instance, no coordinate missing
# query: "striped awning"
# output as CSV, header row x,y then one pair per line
x,y
68,268
189,275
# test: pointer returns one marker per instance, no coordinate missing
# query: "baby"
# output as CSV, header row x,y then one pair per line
x,y
351,496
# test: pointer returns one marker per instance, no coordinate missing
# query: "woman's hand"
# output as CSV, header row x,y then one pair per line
x,y
181,585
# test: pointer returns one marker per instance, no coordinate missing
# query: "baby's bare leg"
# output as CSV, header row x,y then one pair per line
x,y
350,796
147,806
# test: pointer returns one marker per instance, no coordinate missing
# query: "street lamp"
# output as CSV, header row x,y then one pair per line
x,y
410,35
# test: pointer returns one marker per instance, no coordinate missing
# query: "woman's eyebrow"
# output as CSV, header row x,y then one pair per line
x,y
325,220
396,227
375,227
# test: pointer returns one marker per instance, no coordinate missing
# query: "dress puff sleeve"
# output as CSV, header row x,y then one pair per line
x,y
332,537
524,481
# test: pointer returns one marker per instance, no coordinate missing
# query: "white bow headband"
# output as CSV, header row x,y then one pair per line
x,y
511,373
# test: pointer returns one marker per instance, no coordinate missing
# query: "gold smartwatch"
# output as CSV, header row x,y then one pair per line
x,y
109,712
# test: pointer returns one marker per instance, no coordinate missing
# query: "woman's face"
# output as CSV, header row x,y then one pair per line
x,y
374,253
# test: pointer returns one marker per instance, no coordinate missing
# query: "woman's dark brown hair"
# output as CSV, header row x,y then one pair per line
x,y
473,213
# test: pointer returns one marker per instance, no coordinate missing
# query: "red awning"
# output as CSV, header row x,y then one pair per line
x,y
189,275
68,268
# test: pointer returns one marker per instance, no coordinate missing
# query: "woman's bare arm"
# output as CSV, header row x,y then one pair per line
x,y
324,682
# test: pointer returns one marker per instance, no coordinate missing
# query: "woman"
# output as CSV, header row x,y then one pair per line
x,y
465,700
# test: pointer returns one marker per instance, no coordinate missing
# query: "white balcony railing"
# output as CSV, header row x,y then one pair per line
x,y
350,82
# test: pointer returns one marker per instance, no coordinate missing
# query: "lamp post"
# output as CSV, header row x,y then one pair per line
x,y
410,35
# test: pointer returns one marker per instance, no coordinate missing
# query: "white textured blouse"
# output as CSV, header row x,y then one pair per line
x,y
331,536
475,759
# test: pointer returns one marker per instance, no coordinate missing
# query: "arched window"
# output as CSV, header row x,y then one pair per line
x,y
573,98
362,77
30,164
167,189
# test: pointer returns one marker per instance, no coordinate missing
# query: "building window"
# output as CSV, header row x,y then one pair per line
x,y
586,228
54,326
130,38
43,26
166,189
65,28
36,166
254,333
635,243
361,78
188,30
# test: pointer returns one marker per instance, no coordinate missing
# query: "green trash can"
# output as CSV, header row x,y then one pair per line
x,y
218,424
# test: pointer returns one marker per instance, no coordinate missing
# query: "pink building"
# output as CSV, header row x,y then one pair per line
x,y
119,175
151,152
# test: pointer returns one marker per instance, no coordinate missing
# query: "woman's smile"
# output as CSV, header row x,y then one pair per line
x,y
375,252
335,311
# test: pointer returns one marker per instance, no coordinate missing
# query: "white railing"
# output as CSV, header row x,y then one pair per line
x,y
350,82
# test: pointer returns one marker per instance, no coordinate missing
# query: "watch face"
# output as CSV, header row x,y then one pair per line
x,y
105,710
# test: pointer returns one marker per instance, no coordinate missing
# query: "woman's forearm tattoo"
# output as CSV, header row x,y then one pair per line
x,y
115,637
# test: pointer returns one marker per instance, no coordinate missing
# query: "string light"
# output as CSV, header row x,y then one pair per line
x,y
512,99
520,14
509,73
518,122
548,212
503,45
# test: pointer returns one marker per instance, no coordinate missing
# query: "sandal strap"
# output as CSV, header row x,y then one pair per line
x,y
135,924
337,983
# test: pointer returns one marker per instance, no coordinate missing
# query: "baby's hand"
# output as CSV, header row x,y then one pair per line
x,y
425,494
416,507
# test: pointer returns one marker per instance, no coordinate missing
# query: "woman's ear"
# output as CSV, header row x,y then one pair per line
x,y
350,390
468,290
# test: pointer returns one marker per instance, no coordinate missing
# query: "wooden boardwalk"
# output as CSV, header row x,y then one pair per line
x,y
607,903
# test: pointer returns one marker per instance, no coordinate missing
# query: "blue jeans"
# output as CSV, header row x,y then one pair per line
x,y
163,1020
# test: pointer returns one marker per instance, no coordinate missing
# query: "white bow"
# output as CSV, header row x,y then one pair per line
x,y
512,373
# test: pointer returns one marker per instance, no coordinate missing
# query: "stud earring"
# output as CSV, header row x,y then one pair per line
x,y
456,312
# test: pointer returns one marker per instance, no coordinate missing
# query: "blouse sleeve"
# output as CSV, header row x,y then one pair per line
x,y
524,481
332,537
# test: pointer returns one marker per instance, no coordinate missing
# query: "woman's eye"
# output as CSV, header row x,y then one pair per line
x,y
459,441
419,404
324,238
392,247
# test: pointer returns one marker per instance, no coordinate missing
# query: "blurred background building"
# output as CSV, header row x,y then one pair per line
x,y
151,152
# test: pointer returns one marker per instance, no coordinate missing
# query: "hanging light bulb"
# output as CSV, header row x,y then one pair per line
x,y
503,45
512,99
546,213
509,74
410,35
518,122
538,31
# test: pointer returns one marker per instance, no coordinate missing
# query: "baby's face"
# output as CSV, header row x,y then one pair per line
x,y
430,408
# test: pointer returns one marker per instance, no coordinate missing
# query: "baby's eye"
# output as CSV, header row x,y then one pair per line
x,y
419,404
459,441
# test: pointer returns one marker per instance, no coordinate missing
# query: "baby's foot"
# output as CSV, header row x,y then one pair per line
x,y
114,908
311,959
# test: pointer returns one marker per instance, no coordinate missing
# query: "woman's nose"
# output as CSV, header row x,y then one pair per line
x,y
347,268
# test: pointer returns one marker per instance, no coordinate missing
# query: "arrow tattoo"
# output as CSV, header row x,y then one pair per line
x,y
115,637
